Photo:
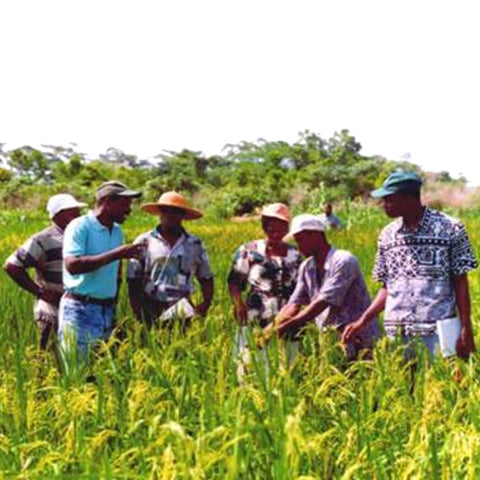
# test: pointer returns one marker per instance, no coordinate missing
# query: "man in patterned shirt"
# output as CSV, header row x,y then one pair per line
x,y
43,252
422,261
172,258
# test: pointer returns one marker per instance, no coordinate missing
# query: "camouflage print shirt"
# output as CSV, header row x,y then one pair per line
x,y
43,253
270,280
167,272
417,270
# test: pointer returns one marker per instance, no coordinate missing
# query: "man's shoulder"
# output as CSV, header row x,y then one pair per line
x,y
390,228
343,257
47,234
191,239
443,218
79,222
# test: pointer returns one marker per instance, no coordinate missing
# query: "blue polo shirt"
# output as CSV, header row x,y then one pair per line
x,y
86,236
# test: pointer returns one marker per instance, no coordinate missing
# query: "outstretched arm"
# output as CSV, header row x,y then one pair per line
x,y
375,308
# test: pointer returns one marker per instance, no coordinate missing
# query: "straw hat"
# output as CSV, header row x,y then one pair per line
x,y
276,210
172,199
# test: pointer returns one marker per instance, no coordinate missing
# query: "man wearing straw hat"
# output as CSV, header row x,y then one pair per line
x,y
330,287
163,276
92,251
43,252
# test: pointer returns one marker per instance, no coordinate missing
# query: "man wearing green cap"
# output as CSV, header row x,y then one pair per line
x,y
422,262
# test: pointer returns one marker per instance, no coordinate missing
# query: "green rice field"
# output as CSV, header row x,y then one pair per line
x,y
167,405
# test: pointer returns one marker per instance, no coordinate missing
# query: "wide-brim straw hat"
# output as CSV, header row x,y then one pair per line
x,y
276,210
172,199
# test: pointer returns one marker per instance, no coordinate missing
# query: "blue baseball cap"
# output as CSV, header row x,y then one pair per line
x,y
399,182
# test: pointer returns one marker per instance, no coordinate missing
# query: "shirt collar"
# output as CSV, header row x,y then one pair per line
x,y
183,237
97,224
312,264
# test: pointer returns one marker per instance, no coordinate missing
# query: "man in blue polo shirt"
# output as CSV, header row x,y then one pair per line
x,y
92,250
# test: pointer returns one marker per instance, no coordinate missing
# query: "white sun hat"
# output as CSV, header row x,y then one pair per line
x,y
305,221
62,201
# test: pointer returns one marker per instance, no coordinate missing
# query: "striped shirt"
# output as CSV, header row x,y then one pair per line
x,y
43,252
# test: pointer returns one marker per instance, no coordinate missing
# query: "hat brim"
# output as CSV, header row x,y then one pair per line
x,y
279,217
381,192
129,193
291,235
154,209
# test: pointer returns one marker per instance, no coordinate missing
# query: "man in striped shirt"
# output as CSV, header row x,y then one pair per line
x,y
43,253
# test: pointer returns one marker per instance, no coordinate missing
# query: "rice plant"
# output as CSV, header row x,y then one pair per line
x,y
167,404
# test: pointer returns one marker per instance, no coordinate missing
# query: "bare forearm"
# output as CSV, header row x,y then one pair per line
x,y
207,290
90,263
302,317
376,307
462,296
22,279
135,295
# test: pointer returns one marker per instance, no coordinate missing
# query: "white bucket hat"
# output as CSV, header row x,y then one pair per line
x,y
62,201
305,221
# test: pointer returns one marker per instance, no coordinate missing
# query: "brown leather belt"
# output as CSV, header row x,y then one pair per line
x,y
106,302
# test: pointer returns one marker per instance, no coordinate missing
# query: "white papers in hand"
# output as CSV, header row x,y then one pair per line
x,y
448,334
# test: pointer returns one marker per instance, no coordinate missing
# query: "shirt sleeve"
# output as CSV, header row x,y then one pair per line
x,y
461,256
136,266
75,239
240,267
29,255
203,268
300,294
338,281
380,272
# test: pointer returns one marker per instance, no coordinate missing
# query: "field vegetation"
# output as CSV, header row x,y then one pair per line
x,y
169,405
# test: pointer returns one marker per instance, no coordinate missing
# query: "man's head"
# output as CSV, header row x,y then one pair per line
x,y
63,208
400,193
309,233
327,209
275,220
115,199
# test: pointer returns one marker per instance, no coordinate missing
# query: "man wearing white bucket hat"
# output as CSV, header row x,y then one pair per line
x,y
43,253
330,287
163,277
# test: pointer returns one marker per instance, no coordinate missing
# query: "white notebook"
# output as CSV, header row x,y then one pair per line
x,y
448,334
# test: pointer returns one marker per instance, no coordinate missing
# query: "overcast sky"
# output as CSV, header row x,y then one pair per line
x,y
145,76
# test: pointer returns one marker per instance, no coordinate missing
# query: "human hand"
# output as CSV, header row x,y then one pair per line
x,y
136,250
50,296
352,330
465,343
202,308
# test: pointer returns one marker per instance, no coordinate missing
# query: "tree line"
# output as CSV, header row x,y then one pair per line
x,y
244,177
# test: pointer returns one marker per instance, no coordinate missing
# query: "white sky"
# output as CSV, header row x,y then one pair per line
x,y
144,76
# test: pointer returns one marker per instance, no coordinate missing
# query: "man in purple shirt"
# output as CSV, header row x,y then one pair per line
x,y
330,287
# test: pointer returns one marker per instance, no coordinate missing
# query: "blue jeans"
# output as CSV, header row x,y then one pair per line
x,y
81,324
431,342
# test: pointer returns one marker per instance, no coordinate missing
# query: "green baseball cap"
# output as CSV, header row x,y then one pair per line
x,y
399,182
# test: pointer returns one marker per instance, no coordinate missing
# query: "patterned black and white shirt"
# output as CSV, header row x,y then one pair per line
x,y
417,270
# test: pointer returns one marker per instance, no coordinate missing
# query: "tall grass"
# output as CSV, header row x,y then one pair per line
x,y
169,405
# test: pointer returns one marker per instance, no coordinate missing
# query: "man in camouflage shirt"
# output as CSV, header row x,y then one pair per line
x,y
172,259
